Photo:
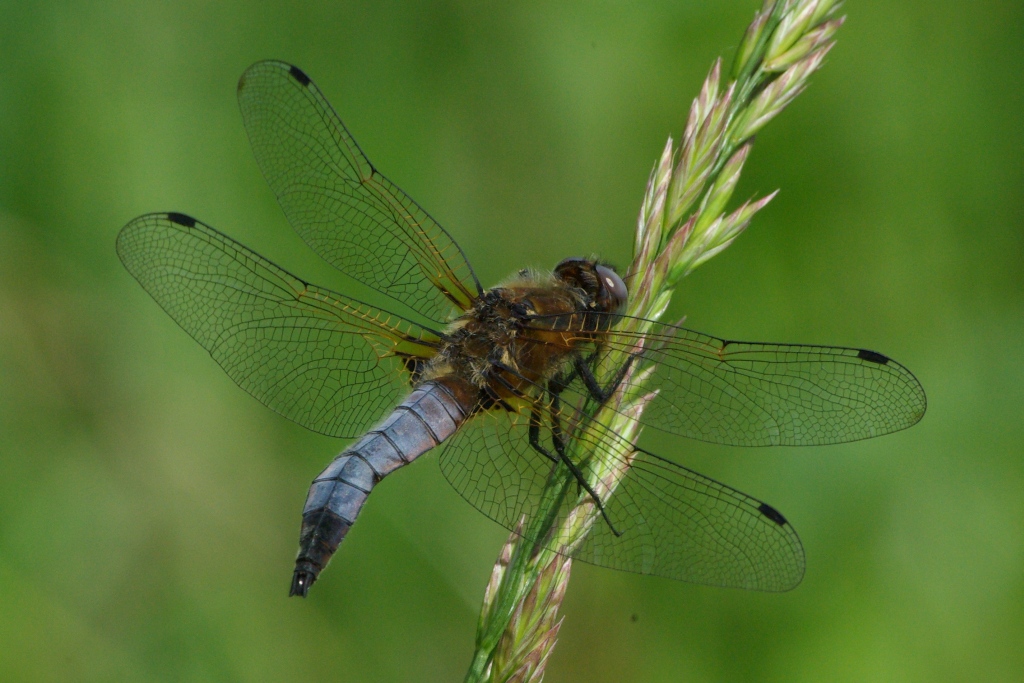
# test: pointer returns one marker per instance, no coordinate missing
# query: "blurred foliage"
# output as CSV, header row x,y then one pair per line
x,y
149,509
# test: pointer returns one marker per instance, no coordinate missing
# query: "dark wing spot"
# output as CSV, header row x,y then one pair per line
x,y
298,75
485,401
772,514
181,219
488,400
872,356
415,367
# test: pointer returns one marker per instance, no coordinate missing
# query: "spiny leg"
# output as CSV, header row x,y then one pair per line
x,y
535,415
581,367
535,418
558,440
561,381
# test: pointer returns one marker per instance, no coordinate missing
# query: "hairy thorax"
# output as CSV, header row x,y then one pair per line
x,y
494,347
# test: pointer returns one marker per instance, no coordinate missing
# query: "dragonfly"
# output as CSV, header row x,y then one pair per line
x,y
504,380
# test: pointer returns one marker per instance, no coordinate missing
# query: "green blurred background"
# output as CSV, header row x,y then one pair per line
x,y
149,509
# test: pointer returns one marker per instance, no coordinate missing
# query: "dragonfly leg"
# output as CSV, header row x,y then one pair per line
x,y
558,440
581,367
535,419
561,381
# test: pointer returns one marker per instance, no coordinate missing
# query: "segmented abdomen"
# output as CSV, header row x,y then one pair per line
x,y
430,414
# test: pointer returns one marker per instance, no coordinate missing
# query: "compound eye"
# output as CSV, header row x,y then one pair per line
x,y
612,288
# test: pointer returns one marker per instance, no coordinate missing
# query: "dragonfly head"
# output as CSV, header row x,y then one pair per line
x,y
604,288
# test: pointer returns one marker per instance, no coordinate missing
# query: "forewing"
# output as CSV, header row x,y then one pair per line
x,y
349,213
329,363
671,521
754,394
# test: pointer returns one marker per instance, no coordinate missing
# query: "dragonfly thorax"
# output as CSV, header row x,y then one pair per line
x,y
488,335
506,343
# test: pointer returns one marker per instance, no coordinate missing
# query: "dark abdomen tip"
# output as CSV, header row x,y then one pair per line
x,y
302,579
322,533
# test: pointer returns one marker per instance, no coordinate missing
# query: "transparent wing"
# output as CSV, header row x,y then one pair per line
x,y
677,523
754,394
329,363
673,522
347,212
